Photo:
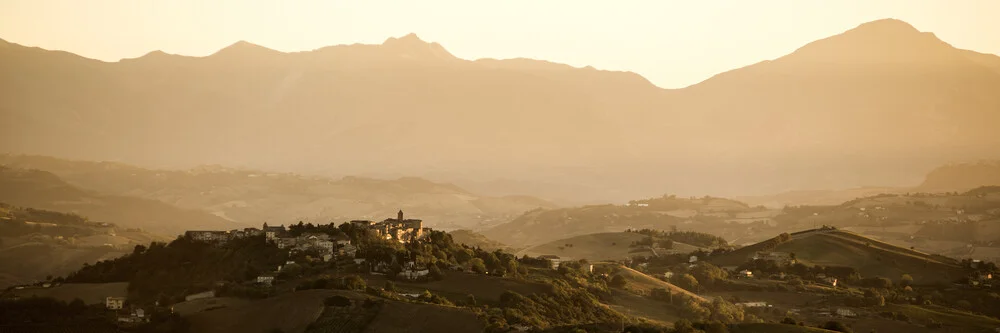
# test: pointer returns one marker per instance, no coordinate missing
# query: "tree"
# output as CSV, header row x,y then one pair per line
x,y
354,282
618,281
477,265
906,280
688,282
683,326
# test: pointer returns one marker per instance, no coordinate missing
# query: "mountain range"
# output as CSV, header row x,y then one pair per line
x,y
882,103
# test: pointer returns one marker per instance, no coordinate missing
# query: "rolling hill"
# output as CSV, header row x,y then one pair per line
x,y
474,239
35,243
719,216
600,247
44,190
250,197
842,248
407,107
962,177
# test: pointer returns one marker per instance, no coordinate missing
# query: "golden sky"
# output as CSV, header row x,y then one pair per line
x,y
672,43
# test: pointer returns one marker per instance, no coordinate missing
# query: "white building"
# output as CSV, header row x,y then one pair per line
x,y
114,303
265,279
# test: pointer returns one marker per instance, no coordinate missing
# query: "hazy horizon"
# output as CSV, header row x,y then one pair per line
x,y
672,44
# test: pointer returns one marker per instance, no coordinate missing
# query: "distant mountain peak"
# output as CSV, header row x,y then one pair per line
x,y
412,46
244,48
888,25
885,41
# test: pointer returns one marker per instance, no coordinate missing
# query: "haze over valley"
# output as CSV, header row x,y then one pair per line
x,y
849,183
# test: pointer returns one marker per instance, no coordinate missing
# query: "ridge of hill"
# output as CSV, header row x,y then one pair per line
x,y
250,197
475,239
706,214
36,243
602,247
44,190
962,177
871,258
851,101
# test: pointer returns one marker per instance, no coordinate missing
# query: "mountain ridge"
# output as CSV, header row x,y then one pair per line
x,y
420,113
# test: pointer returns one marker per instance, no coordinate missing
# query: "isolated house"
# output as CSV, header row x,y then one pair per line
x,y
554,260
265,279
114,303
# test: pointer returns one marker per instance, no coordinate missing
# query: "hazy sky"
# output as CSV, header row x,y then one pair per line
x,y
672,43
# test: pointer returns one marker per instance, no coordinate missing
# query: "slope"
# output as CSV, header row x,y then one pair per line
x,y
869,257
43,190
251,197
644,284
602,247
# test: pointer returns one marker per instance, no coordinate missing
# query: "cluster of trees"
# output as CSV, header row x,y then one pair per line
x,y
564,304
183,266
695,238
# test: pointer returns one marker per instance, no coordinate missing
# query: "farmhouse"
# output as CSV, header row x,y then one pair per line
x,y
265,279
114,303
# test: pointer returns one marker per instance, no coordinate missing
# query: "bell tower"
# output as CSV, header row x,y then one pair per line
x,y
399,216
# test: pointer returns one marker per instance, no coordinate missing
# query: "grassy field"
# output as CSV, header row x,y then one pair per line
x,y
593,247
457,286
291,312
775,328
207,304
641,283
870,257
634,305
410,317
90,293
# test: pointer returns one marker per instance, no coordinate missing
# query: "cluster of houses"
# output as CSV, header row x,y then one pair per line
x,y
127,316
398,229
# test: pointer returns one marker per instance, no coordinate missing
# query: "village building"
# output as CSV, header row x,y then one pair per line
x,y
114,303
208,236
752,304
266,279
845,312
745,274
412,271
271,234
400,229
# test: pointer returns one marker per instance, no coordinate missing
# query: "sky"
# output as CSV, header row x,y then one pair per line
x,y
672,43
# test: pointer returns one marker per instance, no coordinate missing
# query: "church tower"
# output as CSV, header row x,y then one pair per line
x,y
399,216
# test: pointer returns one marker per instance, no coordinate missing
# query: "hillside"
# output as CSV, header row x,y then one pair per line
x,y
869,257
294,312
719,216
962,177
408,107
601,247
474,239
35,243
250,197
638,282
44,190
